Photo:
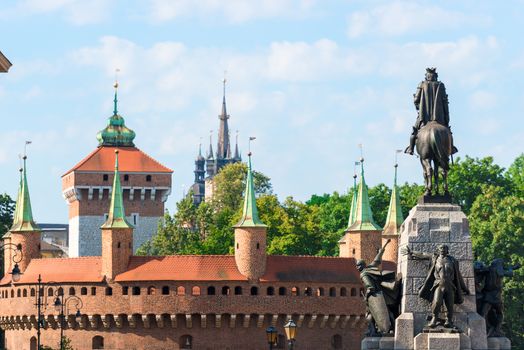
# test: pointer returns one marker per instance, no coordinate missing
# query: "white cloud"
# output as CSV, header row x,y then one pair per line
x,y
77,12
235,11
397,18
482,100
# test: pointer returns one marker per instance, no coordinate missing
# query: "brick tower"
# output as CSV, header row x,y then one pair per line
x,y
117,232
146,184
393,222
363,236
250,235
24,230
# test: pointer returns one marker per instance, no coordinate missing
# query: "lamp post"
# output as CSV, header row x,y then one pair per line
x,y
271,334
291,331
62,303
15,272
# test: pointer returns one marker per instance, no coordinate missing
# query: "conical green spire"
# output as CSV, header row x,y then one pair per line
x,y
23,216
353,211
117,214
116,133
363,215
395,217
250,213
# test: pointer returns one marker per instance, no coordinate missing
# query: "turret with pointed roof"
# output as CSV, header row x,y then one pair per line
x,y
250,234
200,173
362,238
393,222
117,232
24,230
223,142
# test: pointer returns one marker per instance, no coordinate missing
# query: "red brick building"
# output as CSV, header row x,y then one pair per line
x,y
87,189
184,302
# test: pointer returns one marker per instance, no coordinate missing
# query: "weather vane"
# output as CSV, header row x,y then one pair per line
x,y
251,138
117,70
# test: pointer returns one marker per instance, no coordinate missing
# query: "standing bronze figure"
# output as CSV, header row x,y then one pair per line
x,y
431,134
381,295
443,284
489,302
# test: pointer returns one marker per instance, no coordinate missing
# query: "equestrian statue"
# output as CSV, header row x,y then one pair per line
x,y
431,136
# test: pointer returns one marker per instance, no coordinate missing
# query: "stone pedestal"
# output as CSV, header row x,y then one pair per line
x,y
499,343
428,226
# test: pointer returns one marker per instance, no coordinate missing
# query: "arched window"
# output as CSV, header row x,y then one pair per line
x,y
24,293
165,290
254,290
71,290
98,342
33,292
50,292
109,291
294,291
125,290
60,291
105,177
282,291
126,177
151,290
308,291
336,341
136,290
225,290
332,292
195,290
320,292
343,292
148,178
93,290
12,293
211,290
353,292
32,343
270,291
83,291
238,290
18,293
180,291
186,342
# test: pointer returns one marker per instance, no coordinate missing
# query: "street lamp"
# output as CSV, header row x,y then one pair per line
x,y
15,273
291,330
271,334
60,304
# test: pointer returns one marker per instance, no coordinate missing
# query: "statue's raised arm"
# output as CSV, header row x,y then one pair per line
x,y
415,255
378,258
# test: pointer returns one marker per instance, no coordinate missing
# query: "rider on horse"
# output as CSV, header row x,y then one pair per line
x,y
431,102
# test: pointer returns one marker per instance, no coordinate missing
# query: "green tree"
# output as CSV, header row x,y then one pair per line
x,y
379,197
515,175
7,208
409,195
466,178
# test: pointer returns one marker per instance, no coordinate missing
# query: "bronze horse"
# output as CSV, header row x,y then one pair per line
x,y
434,146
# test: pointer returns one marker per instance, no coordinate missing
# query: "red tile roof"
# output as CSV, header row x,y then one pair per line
x,y
130,159
61,270
194,268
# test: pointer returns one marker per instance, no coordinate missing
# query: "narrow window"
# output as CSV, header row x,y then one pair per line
x,y
83,291
186,342
353,292
282,291
136,290
71,290
195,291
254,290
320,292
180,291
18,293
109,291
98,342
148,178
343,292
336,341
295,291
270,291
60,291
125,290
225,290
238,290
165,290
211,290
118,245
24,293
151,290
308,291
105,177
258,245
332,292
50,292
126,177
93,290
33,292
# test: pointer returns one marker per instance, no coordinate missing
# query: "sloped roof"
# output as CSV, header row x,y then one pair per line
x,y
194,268
4,63
131,159
61,270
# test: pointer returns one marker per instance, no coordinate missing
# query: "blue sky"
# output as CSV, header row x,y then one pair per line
x,y
310,79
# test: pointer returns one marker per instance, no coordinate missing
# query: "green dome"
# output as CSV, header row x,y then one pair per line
x,y
116,133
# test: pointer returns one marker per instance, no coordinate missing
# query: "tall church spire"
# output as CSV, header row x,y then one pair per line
x,y
353,211
117,215
363,214
395,217
223,144
250,213
23,216
210,152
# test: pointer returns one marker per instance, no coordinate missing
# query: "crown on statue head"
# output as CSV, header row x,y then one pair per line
x,y
432,70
